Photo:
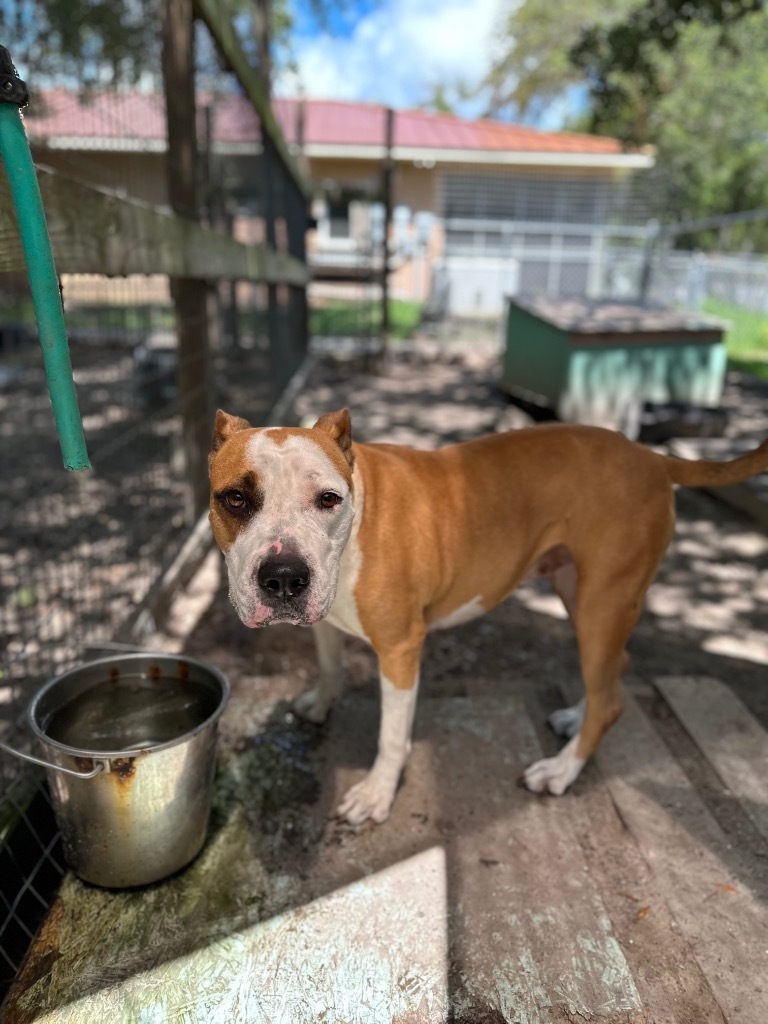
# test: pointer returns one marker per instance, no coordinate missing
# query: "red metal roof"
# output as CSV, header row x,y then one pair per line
x,y
62,112
362,124
141,117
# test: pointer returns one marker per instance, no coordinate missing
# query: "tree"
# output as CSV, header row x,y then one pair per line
x,y
532,66
631,48
89,42
688,78
108,42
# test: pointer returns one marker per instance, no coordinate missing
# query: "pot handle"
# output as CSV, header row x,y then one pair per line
x,y
99,765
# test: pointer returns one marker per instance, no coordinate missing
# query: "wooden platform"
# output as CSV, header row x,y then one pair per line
x,y
640,898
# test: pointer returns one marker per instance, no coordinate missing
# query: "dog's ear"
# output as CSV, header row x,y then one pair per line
x,y
338,426
225,426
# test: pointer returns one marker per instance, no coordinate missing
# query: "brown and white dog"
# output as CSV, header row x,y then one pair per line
x,y
386,543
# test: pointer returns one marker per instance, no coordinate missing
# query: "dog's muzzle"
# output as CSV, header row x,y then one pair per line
x,y
283,581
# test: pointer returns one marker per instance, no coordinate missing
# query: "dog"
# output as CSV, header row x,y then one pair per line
x,y
387,543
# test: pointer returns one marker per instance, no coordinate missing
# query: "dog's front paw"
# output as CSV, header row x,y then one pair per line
x,y
313,705
369,799
554,774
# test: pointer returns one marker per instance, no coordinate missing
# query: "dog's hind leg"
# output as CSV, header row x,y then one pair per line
x,y
315,704
605,615
565,580
566,722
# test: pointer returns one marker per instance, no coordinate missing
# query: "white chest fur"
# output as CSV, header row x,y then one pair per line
x,y
343,614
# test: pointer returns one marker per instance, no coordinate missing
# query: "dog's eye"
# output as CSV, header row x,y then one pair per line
x,y
234,500
328,500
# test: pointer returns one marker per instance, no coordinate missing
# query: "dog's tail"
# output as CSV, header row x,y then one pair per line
x,y
703,473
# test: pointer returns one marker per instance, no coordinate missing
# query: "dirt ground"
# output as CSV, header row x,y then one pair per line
x,y
706,616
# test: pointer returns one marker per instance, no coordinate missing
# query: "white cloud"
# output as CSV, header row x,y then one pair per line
x,y
398,53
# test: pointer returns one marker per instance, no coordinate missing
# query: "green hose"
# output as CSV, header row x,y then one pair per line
x,y
25,192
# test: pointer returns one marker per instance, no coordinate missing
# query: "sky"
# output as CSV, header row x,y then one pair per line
x,y
393,52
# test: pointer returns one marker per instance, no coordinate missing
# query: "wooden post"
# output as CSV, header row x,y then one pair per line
x,y
279,357
386,188
297,218
223,312
260,23
178,63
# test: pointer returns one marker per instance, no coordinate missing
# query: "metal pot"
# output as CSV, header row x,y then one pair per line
x,y
129,743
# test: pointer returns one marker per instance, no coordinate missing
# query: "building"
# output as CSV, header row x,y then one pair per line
x,y
480,208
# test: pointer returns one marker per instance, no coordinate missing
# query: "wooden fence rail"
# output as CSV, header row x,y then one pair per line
x,y
94,231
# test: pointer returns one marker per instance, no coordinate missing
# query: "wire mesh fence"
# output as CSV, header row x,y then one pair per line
x,y
689,278
494,260
81,555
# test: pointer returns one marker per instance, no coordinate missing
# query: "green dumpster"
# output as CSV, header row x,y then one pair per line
x,y
599,362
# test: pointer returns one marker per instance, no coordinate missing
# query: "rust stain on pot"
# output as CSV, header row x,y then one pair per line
x,y
154,672
123,770
84,764
183,670
114,674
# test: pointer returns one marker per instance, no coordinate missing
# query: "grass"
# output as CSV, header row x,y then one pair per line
x,y
128,317
341,319
746,339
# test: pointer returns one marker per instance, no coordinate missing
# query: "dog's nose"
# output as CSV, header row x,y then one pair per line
x,y
283,578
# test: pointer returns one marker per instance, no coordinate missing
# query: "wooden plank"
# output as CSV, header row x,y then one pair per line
x,y
669,980
530,929
729,736
218,15
474,901
95,231
671,983
529,938
716,900
372,952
